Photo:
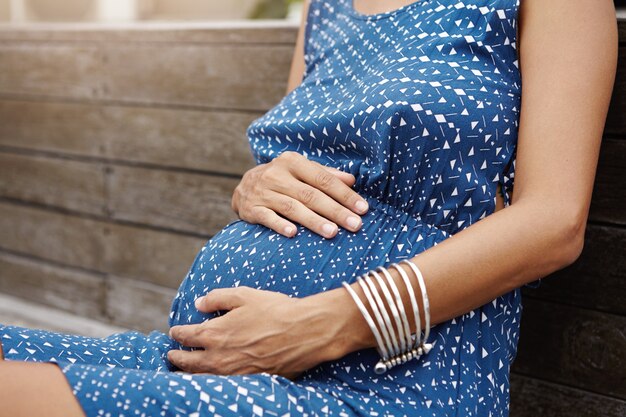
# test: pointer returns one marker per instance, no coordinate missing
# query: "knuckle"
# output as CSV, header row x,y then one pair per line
x,y
323,179
269,177
260,216
306,195
287,206
349,198
289,155
264,196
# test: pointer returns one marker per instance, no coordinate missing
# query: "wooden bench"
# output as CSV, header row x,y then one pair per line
x,y
120,147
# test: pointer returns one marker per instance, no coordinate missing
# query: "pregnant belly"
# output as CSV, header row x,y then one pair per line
x,y
255,256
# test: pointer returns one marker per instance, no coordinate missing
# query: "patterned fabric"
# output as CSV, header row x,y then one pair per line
x,y
422,105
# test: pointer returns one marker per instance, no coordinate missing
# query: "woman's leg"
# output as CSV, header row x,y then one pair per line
x,y
129,349
36,389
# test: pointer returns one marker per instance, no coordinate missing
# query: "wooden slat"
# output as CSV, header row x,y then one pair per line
x,y
212,141
188,202
50,69
203,140
69,184
15,311
138,305
182,201
76,129
616,122
130,252
148,255
217,32
207,76
597,280
531,397
224,77
608,202
572,346
65,239
68,289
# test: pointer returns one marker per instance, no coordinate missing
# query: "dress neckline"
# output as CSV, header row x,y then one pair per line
x,y
358,15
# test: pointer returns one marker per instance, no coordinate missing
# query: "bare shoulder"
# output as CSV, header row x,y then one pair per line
x,y
584,20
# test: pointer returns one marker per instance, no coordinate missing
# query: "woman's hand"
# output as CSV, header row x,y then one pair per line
x,y
316,196
263,331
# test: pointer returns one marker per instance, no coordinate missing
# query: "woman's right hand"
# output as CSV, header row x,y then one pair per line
x,y
318,197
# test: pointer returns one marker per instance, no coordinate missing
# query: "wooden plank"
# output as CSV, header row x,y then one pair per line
x,y
203,140
597,280
75,129
615,121
50,69
212,76
531,397
79,292
138,305
148,255
188,202
69,240
127,251
608,202
218,32
18,312
224,77
69,184
577,347
181,201
212,141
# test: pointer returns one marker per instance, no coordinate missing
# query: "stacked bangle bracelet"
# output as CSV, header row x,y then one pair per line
x,y
394,346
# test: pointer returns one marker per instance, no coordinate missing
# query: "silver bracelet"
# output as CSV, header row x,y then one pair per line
x,y
377,315
416,312
404,330
394,312
395,348
426,347
392,354
368,319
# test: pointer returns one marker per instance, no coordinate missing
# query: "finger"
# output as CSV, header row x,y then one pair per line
x,y
191,335
316,176
266,217
293,209
324,205
346,177
224,299
195,361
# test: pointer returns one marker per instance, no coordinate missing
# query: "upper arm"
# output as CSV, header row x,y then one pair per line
x,y
297,62
568,60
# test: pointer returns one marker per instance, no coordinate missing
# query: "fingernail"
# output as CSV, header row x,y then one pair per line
x,y
328,229
361,205
197,302
288,230
353,222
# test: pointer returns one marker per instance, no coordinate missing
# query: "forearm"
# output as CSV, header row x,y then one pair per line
x,y
493,256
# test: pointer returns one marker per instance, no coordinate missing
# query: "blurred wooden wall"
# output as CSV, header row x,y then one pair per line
x,y
119,151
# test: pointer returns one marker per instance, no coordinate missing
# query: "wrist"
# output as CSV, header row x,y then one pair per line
x,y
344,326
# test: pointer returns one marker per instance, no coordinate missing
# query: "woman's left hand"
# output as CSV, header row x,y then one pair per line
x,y
263,331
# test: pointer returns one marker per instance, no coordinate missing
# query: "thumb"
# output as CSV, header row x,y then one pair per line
x,y
346,177
223,299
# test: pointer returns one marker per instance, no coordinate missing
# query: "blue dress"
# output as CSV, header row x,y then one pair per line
x,y
422,105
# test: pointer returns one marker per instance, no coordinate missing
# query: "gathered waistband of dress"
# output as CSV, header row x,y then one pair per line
x,y
398,214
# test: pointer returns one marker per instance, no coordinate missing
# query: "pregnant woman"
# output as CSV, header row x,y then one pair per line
x,y
398,139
